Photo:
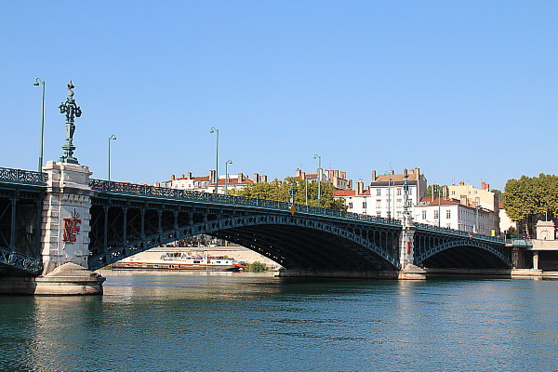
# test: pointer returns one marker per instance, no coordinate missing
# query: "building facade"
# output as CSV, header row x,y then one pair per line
x,y
450,213
386,196
207,183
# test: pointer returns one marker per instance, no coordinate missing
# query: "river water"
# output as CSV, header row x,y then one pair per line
x,y
150,321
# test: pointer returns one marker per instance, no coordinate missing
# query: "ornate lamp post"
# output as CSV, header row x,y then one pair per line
x,y
72,111
227,174
111,138
316,156
42,144
216,131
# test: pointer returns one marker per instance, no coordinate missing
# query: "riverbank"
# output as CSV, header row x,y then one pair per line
x,y
237,253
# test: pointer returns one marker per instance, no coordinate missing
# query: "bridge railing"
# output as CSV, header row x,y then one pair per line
x,y
446,230
22,176
527,243
147,190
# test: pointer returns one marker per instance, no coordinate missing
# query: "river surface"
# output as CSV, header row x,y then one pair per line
x,y
155,321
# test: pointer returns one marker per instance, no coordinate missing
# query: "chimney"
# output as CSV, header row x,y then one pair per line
x,y
485,186
350,184
463,200
359,187
392,172
461,183
256,178
212,175
189,175
264,178
417,171
241,177
405,172
173,177
344,175
298,172
373,176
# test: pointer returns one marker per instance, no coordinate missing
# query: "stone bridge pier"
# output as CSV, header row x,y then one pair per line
x,y
65,232
408,271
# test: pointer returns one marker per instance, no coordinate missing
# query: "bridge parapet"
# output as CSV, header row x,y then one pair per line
x,y
449,231
521,243
21,176
162,192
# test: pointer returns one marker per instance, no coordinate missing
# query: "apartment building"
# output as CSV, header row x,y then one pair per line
x,y
207,183
385,196
469,195
335,177
451,213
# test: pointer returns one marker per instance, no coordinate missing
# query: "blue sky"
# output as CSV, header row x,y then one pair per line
x,y
467,91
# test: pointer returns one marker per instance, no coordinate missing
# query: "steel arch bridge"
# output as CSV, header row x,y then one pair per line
x,y
126,219
447,248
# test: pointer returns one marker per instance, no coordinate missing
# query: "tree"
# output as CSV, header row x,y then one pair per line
x,y
531,196
499,194
434,189
279,190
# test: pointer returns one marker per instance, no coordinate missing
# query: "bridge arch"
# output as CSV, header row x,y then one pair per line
x,y
461,253
291,241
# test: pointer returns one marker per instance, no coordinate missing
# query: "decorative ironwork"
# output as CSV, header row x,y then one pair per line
x,y
72,111
20,261
527,243
446,231
22,176
167,193
128,243
503,253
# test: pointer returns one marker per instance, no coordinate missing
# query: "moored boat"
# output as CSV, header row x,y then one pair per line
x,y
181,261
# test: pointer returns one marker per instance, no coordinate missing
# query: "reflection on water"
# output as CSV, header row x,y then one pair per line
x,y
169,321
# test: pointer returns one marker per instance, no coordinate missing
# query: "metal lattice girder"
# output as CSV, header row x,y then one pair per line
x,y
21,198
19,261
433,248
367,249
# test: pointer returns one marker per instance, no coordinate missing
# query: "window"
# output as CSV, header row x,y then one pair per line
x,y
435,215
398,191
378,192
424,215
448,214
350,205
378,214
364,205
378,203
399,203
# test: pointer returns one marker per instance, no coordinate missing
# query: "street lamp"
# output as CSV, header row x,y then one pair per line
x,y
227,174
111,138
37,83
316,156
389,194
216,131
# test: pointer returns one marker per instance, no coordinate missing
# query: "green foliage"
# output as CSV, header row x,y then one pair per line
x,y
435,189
257,267
279,190
512,233
499,194
530,196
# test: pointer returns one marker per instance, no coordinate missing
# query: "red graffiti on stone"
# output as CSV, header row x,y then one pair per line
x,y
71,228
